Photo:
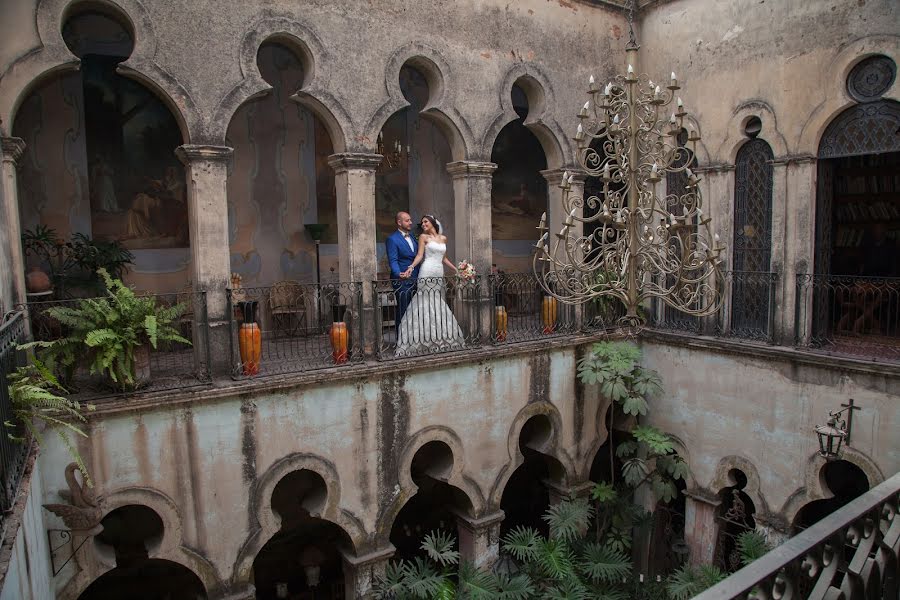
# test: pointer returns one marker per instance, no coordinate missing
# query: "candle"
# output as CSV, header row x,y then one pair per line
x,y
579,134
680,104
616,120
656,92
608,90
674,81
654,171
571,179
592,84
606,171
630,71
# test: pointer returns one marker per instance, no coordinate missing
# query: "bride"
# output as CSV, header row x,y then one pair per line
x,y
428,323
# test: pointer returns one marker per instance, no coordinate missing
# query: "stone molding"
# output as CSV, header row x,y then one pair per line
x,y
471,169
578,490
792,159
478,524
190,153
703,495
714,168
554,176
13,149
349,161
369,558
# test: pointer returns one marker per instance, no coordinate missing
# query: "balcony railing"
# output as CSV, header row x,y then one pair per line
x,y
12,454
522,310
749,311
171,364
291,327
852,553
439,314
850,316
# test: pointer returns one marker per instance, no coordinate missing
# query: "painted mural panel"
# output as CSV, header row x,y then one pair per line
x,y
137,185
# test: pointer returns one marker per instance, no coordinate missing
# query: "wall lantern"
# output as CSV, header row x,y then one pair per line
x,y
836,431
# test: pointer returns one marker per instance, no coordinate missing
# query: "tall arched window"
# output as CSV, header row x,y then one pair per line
x,y
752,236
676,187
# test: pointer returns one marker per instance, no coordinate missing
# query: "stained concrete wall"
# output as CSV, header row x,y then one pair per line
x,y
208,466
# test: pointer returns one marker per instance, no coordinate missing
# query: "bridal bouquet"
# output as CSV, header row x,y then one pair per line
x,y
466,271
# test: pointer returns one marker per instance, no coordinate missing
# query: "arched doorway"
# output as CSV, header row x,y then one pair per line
x,y
413,175
518,190
100,169
843,479
734,516
855,291
279,182
303,559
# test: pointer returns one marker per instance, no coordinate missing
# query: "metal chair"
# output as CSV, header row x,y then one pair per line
x,y
287,307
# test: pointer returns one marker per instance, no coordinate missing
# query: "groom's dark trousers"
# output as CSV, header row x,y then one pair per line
x,y
400,256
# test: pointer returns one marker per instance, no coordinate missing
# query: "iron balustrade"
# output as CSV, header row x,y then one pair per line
x,y
852,553
295,322
749,312
522,310
443,314
172,364
849,316
12,454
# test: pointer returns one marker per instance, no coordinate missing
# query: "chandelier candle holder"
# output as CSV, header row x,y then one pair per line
x,y
639,245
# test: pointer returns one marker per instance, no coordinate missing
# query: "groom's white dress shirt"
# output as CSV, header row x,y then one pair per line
x,y
408,239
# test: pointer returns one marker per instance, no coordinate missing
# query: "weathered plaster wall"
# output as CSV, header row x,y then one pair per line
x,y
764,411
209,465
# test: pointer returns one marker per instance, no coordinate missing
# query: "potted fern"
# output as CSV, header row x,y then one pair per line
x,y
113,335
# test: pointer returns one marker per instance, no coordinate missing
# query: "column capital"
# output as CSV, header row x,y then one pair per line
x,y
361,161
564,492
704,496
479,523
364,560
470,168
13,148
189,153
554,176
246,591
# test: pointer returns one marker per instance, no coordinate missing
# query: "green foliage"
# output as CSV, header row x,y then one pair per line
x,y
105,332
752,545
567,520
689,581
35,395
439,547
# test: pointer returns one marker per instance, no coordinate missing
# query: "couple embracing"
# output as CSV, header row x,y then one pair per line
x,y
423,321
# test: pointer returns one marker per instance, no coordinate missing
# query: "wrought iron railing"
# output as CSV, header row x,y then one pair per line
x,y
749,312
852,553
522,310
12,454
171,364
439,314
292,327
851,316
663,317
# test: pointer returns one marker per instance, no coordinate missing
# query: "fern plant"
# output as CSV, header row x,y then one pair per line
x,y
36,402
104,333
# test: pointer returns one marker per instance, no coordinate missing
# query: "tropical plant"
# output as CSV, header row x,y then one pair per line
x,y
565,565
73,266
689,581
752,545
647,457
35,396
105,332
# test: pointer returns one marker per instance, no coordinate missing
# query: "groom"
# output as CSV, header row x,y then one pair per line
x,y
401,249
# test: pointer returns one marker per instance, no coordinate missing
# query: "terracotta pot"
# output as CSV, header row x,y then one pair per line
x,y
339,342
501,320
36,281
250,343
548,314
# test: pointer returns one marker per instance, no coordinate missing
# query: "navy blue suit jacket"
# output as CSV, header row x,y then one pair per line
x,y
399,255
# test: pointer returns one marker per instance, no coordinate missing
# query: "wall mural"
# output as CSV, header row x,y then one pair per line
x,y
279,180
137,184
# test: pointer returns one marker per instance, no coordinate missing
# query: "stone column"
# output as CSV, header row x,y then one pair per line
x,y
568,315
472,182
357,260
800,242
12,262
559,493
206,168
362,572
700,526
479,539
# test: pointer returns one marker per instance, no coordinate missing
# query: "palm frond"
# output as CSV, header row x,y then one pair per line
x,y
569,519
518,587
603,563
439,547
477,584
752,545
522,543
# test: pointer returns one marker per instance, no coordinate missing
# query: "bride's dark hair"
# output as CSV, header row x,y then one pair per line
x,y
431,220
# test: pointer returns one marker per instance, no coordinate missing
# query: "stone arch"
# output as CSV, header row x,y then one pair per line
x,y
540,94
603,435
516,459
93,564
814,487
439,108
734,132
54,57
306,44
722,479
836,98
268,523
456,477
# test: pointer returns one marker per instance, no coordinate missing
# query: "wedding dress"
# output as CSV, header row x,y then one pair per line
x,y
428,323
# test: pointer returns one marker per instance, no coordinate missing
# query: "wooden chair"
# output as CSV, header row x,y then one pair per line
x,y
287,307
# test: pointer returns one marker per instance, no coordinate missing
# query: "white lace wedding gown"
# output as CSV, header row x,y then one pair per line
x,y
428,323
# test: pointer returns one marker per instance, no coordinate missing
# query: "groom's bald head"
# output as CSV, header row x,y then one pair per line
x,y
404,221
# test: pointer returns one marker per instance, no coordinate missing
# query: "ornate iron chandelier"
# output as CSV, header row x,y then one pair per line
x,y
637,244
